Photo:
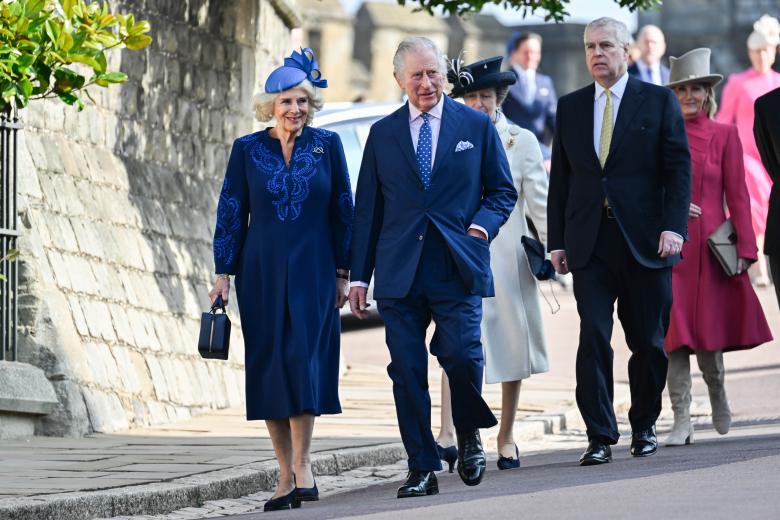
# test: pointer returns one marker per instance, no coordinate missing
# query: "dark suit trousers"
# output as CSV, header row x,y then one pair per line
x,y
644,298
437,293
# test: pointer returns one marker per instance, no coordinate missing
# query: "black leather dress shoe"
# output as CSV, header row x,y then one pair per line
x,y
644,442
419,484
597,453
471,457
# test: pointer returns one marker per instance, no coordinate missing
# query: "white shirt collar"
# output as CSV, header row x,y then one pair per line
x,y
520,71
618,89
646,67
436,111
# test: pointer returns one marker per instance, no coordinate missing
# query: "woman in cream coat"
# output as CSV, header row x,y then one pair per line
x,y
512,332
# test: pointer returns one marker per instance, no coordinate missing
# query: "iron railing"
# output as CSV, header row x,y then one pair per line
x,y
9,128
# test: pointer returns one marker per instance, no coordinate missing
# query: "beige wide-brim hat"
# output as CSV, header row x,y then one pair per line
x,y
692,67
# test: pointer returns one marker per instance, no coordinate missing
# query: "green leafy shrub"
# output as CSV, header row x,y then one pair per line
x,y
57,48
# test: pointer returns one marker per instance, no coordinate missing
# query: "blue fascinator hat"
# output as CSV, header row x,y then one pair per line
x,y
297,67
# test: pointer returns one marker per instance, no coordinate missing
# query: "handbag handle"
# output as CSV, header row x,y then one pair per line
x,y
218,304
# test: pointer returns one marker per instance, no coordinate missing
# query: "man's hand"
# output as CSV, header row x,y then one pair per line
x,y
694,211
670,244
476,233
341,292
558,259
357,302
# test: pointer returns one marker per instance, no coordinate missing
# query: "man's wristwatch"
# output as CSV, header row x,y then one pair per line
x,y
223,276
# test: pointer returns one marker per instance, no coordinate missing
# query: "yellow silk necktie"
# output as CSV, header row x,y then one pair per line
x,y
606,130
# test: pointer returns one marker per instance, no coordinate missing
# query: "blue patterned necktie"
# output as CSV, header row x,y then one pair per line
x,y
424,147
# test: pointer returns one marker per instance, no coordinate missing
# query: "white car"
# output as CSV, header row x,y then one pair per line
x,y
352,121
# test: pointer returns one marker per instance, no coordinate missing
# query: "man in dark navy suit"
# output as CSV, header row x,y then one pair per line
x,y
434,188
531,101
652,46
617,213
766,129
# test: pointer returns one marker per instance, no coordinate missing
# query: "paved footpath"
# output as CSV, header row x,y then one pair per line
x,y
218,464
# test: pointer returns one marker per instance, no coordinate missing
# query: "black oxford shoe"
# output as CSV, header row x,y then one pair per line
x,y
597,453
419,484
471,457
644,442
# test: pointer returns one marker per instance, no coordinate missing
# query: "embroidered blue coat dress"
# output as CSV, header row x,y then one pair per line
x,y
283,231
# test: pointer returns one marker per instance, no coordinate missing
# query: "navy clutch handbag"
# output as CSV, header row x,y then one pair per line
x,y
214,338
541,268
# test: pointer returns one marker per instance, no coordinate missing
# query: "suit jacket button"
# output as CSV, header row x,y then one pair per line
x,y
420,237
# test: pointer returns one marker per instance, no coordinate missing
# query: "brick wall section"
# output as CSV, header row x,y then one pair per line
x,y
118,206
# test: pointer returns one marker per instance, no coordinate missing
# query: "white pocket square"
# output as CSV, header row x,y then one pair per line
x,y
464,145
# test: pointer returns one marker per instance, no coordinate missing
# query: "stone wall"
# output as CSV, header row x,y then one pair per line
x,y
117,215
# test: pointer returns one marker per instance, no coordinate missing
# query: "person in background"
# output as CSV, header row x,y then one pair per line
x,y
711,312
652,46
512,328
767,132
284,223
531,102
737,102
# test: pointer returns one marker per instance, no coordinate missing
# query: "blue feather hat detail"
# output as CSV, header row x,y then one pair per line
x,y
297,67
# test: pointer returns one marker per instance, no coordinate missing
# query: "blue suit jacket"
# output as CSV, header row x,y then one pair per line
x,y
537,116
634,71
393,211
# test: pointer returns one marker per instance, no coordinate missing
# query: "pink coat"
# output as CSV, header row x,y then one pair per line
x,y
739,94
710,310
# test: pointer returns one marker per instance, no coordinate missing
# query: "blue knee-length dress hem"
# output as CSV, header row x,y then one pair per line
x,y
282,231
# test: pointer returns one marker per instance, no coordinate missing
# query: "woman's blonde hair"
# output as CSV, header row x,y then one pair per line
x,y
710,106
263,103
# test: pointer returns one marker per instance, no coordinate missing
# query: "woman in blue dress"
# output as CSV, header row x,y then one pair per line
x,y
283,230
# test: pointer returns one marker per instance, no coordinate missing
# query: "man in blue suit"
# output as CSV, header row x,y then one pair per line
x,y
652,46
434,188
531,101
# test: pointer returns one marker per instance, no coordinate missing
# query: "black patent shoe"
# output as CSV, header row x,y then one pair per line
x,y
279,503
448,455
644,442
509,462
419,484
471,457
311,494
597,453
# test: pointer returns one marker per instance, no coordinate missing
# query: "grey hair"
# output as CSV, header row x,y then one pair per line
x,y
417,44
617,27
263,103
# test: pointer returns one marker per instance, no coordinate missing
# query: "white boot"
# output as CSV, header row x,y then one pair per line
x,y
678,380
711,366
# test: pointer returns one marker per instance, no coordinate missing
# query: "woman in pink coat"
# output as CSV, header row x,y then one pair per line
x,y
739,94
711,312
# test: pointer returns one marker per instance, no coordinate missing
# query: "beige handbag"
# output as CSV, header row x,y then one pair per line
x,y
723,244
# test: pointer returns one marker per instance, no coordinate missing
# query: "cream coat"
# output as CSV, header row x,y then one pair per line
x,y
512,331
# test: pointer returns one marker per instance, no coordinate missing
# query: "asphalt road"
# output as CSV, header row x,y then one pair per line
x,y
732,476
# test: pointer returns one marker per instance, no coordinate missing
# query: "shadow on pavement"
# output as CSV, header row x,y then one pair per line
x,y
544,472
